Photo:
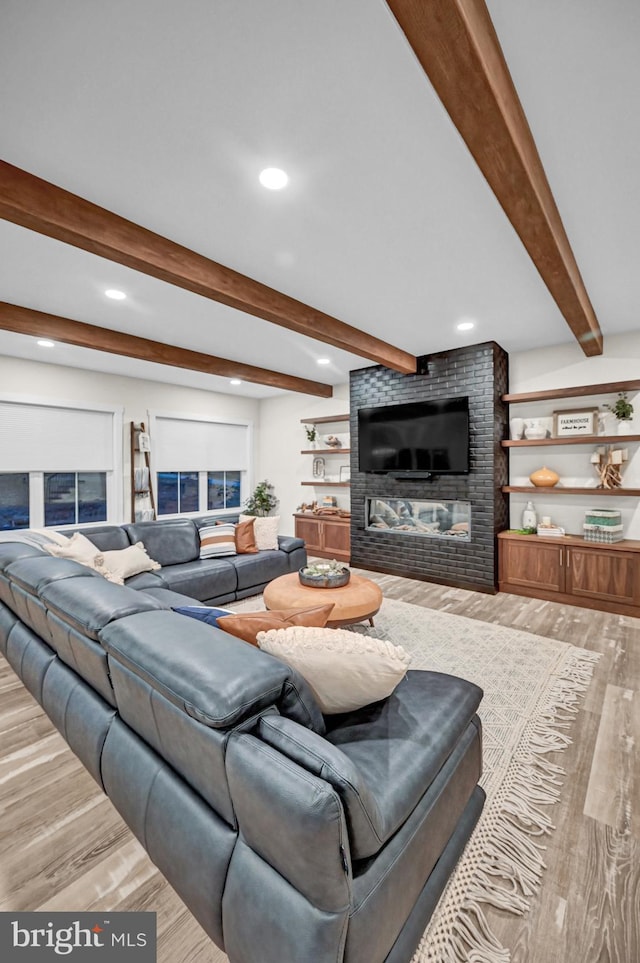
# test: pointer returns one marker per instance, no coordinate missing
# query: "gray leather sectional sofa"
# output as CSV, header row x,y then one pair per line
x,y
291,837
175,544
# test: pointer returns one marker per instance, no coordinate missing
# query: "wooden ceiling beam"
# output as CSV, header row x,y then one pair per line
x,y
40,206
457,47
40,325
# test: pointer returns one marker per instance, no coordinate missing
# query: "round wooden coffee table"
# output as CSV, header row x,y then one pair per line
x,y
356,601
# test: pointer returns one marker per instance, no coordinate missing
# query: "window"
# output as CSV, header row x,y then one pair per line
x,y
202,465
73,498
223,489
61,463
14,500
178,492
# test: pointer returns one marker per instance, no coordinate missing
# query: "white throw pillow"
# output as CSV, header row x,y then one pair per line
x,y
78,548
265,530
122,563
346,671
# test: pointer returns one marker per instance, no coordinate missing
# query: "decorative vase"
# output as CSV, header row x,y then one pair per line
x,y
529,517
625,426
544,477
516,426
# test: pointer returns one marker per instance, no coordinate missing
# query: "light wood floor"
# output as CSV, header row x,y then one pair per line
x,y
63,846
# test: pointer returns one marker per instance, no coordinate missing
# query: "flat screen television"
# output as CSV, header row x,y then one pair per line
x,y
417,438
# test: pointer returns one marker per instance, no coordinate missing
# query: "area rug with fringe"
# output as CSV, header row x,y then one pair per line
x,y
532,687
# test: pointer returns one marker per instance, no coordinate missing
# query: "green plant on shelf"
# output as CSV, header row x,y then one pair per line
x,y
622,407
311,432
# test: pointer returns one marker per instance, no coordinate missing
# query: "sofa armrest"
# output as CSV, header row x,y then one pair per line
x,y
288,544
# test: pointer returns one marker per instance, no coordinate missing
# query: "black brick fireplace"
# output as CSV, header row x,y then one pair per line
x,y
479,372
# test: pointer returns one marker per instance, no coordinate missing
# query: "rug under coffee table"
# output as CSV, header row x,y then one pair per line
x,y
356,601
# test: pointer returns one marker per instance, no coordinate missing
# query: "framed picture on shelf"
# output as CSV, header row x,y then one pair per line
x,y
575,421
345,473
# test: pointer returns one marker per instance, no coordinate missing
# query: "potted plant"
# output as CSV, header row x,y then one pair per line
x,y
623,410
263,501
311,435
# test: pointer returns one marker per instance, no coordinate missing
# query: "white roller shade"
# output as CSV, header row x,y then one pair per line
x,y
185,444
39,437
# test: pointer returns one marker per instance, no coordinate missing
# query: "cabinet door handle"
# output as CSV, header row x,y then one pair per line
x,y
561,554
568,559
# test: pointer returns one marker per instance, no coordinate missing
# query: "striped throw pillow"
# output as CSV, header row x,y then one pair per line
x,y
217,541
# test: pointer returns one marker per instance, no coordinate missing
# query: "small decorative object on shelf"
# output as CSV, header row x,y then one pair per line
x,y
575,421
623,410
318,468
549,529
535,431
331,574
516,427
329,501
603,525
544,477
332,442
311,434
529,517
608,463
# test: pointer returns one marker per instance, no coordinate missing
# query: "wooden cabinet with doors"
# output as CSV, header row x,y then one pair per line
x,y
326,536
571,570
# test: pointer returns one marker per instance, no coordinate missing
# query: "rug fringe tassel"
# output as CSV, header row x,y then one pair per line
x,y
509,865
470,941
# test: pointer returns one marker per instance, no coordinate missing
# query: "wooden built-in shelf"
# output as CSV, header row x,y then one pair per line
x,y
327,451
615,492
323,419
579,391
318,484
571,440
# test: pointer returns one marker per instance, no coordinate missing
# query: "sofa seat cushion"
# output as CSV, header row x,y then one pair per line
x,y
202,579
171,541
89,603
381,759
213,677
256,570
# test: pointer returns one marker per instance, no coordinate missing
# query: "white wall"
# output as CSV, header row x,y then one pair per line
x,y
563,367
281,438
136,396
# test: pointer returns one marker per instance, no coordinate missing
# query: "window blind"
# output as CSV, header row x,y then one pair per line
x,y
186,444
40,437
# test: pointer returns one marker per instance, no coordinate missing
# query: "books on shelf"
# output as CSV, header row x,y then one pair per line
x,y
550,530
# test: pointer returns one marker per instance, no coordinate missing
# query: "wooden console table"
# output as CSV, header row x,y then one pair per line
x,y
569,569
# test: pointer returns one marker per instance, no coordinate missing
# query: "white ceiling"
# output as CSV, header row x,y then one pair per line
x,y
165,113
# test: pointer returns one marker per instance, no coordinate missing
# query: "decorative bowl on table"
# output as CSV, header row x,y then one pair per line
x,y
324,575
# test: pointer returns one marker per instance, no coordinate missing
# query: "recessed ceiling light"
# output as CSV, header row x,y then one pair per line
x,y
45,343
273,178
115,294
465,326
235,381
323,360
